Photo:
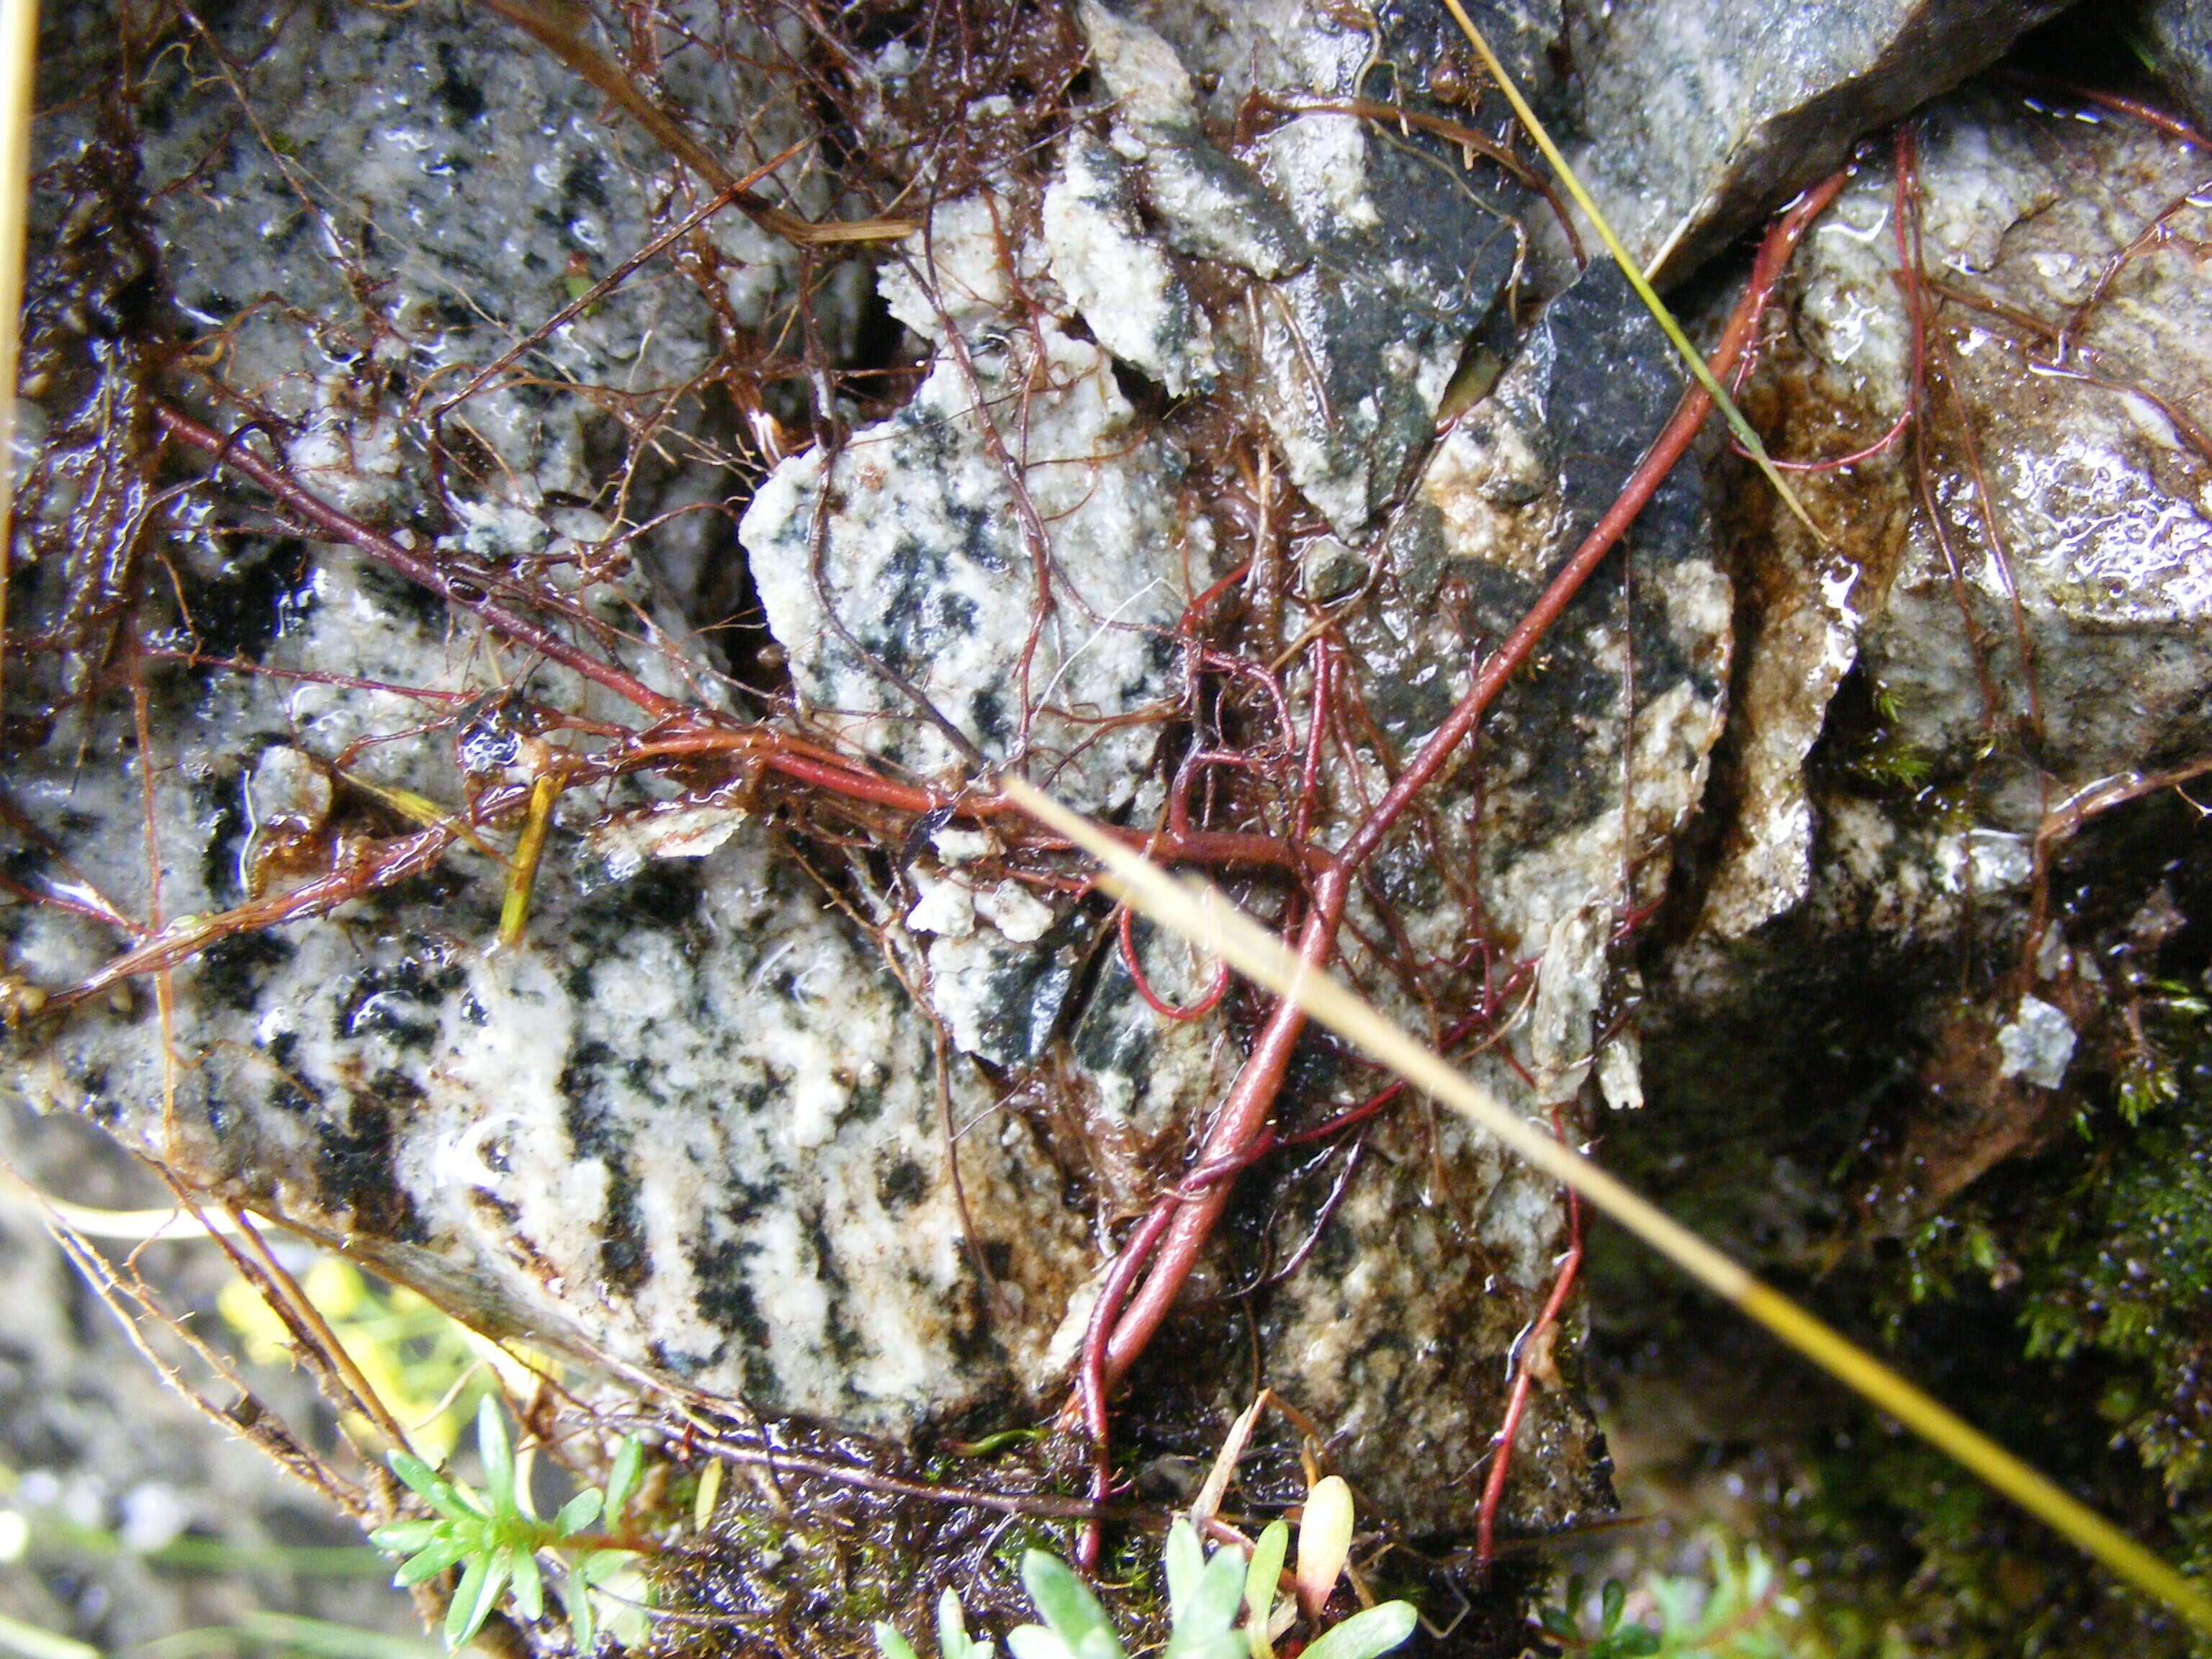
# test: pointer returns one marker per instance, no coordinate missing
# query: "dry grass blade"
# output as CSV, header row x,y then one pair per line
x,y
124,1226
522,870
19,51
1203,915
1636,280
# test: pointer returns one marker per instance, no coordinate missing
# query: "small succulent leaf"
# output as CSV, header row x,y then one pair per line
x,y
622,1477
429,1562
1261,1579
1637,1642
1324,1543
1036,1642
583,1621
1208,1617
1758,1575
529,1584
1184,1560
891,1645
405,1537
1557,1621
432,1487
1611,1601
1066,1606
420,1477
1677,1599
1369,1633
602,1565
462,1619
952,1641
498,1455
579,1512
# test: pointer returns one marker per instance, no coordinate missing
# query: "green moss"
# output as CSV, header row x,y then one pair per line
x,y
2087,1275
2063,1302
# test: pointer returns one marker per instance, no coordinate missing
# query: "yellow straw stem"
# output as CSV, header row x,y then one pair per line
x,y
420,809
19,53
522,871
1204,915
1630,269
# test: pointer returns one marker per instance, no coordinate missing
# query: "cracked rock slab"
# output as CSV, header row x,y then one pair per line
x,y
1698,116
1381,258
2177,36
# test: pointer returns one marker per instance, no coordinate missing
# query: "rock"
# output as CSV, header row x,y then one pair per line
x,y
695,1113
1992,662
1118,281
1383,258
1693,119
838,1105
2177,37
1900,843
695,1125
692,1126
905,574
2037,1045
1211,204
1586,772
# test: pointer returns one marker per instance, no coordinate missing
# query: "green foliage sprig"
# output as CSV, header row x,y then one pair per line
x,y
1220,1607
496,1537
1739,1615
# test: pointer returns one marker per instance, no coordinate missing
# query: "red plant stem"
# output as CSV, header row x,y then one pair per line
x,y
1209,1000
1245,1113
382,865
1091,1391
454,590
791,757
2172,125
1501,1455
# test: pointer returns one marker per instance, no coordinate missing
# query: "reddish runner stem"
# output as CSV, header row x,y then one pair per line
x,y
1516,1403
456,591
1244,1114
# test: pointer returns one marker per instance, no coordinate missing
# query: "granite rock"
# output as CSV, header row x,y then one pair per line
x,y
1381,258
696,1110
1692,120
904,574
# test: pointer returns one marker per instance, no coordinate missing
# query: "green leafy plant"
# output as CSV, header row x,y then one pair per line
x,y
496,1537
1220,1607
1610,1640
1737,1615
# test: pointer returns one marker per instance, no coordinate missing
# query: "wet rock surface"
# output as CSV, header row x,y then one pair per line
x,y
2178,37
2067,554
547,1138
1188,457
1695,119
696,1123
